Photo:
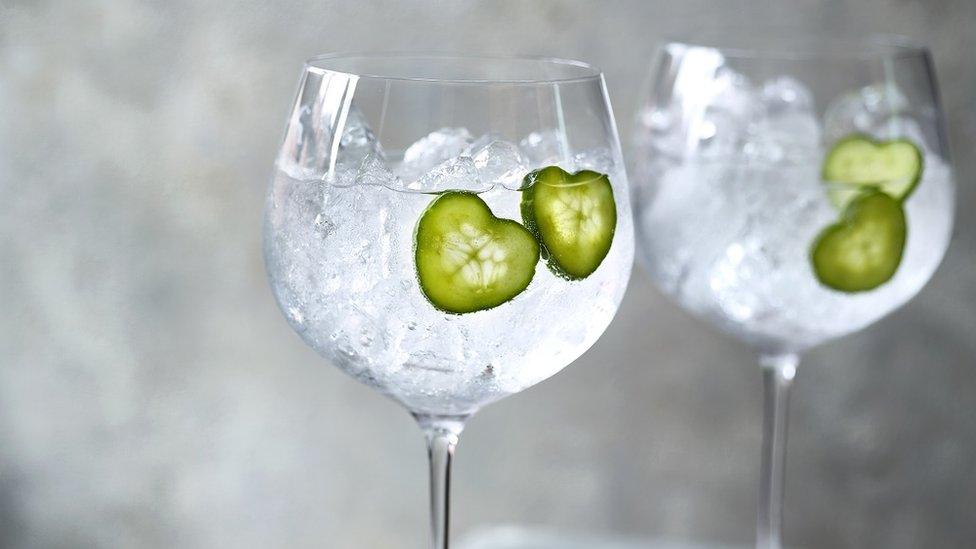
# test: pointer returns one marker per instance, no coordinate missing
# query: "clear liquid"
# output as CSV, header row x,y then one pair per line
x,y
731,242
341,265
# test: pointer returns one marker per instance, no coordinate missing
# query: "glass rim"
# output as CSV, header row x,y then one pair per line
x,y
789,43
331,63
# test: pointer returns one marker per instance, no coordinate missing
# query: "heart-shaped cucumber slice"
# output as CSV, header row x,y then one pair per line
x,y
469,260
573,215
858,163
862,250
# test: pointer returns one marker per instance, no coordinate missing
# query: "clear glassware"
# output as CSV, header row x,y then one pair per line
x,y
778,196
386,241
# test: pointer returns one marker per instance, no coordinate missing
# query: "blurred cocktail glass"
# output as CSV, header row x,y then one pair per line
x,y
790,190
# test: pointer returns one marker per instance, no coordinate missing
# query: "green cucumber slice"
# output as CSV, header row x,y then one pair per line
x,y
858,162
469,260
573,215
863,250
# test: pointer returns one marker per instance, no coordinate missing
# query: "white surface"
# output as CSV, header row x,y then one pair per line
x,y
513,537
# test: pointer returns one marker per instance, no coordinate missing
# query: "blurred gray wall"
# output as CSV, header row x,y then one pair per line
x,y
151,395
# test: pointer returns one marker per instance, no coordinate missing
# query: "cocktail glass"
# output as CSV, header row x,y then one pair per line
x,y
791,190
448,230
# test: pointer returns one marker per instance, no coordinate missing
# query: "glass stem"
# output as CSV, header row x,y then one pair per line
x,y
778,371
442,438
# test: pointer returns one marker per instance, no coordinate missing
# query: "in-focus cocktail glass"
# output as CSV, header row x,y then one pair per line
x,y
791,190
449,230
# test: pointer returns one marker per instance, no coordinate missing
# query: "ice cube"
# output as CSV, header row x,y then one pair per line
x,y
785,94
456,174
357,137
787,129
500,162
791,137
705,188
734,104
433,149
733,92
863,110
674,123
544,148
734,277
374,171
662,132
358,147
307,151
480,143
764,267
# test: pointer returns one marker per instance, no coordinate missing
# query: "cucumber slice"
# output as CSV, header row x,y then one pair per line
x,y
469,260
574,217
862,250
858,162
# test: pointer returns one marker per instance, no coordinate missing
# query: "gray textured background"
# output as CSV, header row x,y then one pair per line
x,y
151,395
